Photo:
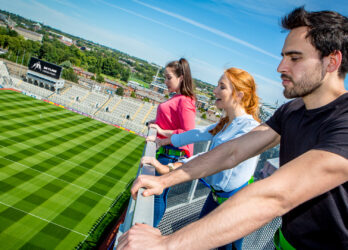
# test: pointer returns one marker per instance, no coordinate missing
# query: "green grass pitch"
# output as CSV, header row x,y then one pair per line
x,y
59,172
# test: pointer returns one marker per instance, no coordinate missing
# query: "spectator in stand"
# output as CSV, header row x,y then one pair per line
x,y
174,116
236,96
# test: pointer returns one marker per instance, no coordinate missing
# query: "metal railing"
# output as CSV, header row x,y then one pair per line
x,y
141,209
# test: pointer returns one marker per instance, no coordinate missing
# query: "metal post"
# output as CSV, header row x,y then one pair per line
x,y
192,191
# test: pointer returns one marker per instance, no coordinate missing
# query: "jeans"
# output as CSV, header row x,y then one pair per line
x,y
160,204
209,206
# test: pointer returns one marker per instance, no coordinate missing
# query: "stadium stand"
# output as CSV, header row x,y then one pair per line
x,y
127,112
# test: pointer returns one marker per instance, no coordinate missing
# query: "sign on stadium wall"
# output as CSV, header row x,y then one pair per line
x,y
45,68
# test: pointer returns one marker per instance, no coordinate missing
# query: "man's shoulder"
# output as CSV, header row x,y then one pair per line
x,y
291,106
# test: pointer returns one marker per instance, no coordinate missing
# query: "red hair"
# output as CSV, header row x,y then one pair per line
x,y
241,81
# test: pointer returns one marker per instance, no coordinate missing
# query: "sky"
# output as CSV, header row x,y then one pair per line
x,y
212,35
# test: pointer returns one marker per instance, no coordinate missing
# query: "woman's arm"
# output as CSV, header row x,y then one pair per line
x,y
160,168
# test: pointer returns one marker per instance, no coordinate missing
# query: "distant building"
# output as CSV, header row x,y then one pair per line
x,y
85,48
202,101
159,87
81,72
25,25
134,85
3,51
28,34
112,84
37,26
153,96
3,18
66,40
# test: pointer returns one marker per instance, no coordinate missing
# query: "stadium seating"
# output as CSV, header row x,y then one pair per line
x,y
130,113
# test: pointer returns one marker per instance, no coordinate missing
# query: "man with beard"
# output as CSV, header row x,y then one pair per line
x,y
310,190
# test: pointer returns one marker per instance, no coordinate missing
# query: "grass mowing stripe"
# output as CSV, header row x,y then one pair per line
x,y
22,125
43,148
10,108
19,111
23,114
43,173
119,170
38,217
103,185
74,170
48,130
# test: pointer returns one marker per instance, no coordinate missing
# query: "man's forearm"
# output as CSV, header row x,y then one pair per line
x,y
260,202
206,164
239,216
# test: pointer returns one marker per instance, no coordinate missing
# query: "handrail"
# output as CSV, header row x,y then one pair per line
x,y
141,209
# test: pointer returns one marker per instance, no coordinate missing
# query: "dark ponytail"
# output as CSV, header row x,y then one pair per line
x,y
182,68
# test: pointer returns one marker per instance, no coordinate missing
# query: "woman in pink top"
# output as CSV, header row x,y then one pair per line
x,y
174,116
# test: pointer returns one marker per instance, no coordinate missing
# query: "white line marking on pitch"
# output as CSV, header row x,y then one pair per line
x,y
89,169
36,216
61,180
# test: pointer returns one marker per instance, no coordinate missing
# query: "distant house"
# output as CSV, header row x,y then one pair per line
x,y
85,48
159,88
3,18
202,101
28,34
66,40
37,26
112,84
81,72
153,96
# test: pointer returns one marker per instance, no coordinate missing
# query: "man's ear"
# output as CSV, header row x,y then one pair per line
x,y
334,61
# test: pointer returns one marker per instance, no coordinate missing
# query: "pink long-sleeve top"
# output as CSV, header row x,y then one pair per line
x,y
177,114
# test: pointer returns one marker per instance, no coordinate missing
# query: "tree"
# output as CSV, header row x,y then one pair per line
x,y
120,91
69,75
133,94
100,78
125,75
66,64
204,116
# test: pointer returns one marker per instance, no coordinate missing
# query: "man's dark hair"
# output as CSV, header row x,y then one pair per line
x,y
328,32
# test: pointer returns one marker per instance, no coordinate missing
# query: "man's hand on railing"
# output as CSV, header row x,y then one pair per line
x,y
141,236
152,184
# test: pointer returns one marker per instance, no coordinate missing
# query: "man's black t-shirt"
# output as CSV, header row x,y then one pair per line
x,y
322,222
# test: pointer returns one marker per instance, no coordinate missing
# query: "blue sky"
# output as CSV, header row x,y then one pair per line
x,y
213,35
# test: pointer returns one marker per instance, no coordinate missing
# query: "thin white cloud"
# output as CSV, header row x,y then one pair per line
x,y
267,80
173,28
209,29
68,4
